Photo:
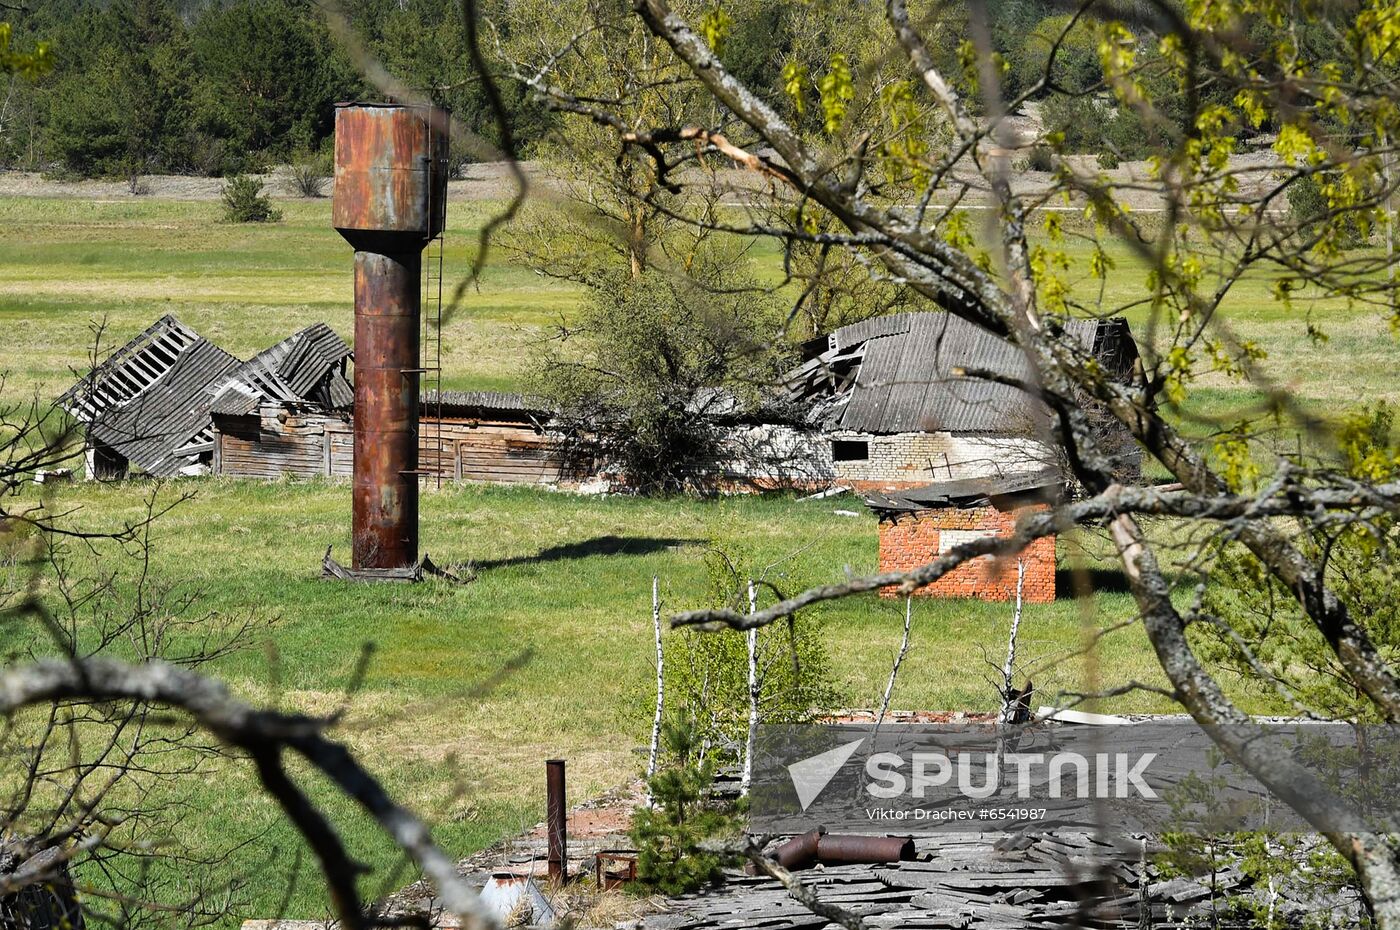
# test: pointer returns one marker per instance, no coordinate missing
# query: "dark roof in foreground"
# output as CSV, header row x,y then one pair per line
x,y
1044,486
972,881
905,373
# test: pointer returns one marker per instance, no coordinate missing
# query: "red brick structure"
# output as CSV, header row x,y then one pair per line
x,y
918,525
917,539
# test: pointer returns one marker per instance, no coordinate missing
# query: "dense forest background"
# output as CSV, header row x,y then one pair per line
x,y
212,87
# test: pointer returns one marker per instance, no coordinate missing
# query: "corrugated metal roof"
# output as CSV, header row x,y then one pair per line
x,y
485,400
907,380
235,400
847,336
152,399
294,369
313,353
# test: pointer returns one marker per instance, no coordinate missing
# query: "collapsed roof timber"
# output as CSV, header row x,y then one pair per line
x,y
151,402
879,405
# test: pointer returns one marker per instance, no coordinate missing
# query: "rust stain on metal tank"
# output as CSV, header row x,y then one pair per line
x,y
390,174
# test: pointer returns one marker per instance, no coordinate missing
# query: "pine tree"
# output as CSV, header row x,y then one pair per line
x,y
669,836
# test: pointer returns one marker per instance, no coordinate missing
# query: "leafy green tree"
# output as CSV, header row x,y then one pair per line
x,y
830,139
423,44
19,69
709,673
653,359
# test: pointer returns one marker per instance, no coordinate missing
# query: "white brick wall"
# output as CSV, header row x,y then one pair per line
x,y
786,454
923,457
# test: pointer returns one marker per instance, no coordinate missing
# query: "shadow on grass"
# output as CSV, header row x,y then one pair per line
x,y
598,545
1068,580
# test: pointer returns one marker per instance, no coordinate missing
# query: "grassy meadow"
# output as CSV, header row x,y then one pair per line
x,y
549,651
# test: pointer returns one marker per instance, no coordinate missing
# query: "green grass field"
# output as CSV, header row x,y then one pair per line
x,y
562,595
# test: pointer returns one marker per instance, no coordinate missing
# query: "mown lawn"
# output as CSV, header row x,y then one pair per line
x,y
68,264
548,652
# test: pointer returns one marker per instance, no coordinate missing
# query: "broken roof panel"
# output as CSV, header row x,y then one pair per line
x,y
910,375
856,333
153,399
159,427
129,370
313,353
235,400
303,367
1015,489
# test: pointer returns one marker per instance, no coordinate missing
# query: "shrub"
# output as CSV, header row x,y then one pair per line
x,y
1041,159
1315,217
1107,159
458,157
244,201
208,155
634,378
1077,120
1077,66
1125,133
307,176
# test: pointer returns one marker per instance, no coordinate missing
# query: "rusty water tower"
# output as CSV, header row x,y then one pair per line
x,y
389,203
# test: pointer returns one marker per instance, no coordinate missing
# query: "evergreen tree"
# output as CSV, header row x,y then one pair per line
x,y
669,836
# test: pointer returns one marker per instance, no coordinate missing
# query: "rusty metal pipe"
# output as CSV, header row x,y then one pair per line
x,y
834,849
385,496
800,851
555,827
806,850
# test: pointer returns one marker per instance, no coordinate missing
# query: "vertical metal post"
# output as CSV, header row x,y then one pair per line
x,y
555,825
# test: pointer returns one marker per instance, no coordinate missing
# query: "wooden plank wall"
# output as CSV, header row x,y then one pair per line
x,y
271,449
312,445
509,453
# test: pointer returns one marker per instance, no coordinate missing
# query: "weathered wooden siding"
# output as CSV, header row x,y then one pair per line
x,y
315,444
506,453
266,447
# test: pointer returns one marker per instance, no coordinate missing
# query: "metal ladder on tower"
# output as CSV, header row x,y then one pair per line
x,y
431,345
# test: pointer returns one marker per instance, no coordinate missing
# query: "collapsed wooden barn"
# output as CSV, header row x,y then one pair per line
x,y
889,403
151,403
